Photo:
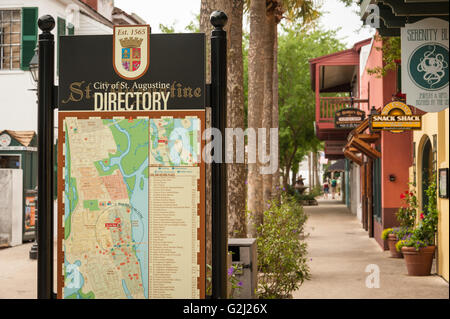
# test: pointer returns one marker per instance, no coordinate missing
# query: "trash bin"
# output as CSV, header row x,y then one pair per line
x,y
244,254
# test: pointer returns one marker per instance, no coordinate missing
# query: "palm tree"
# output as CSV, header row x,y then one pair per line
x,y
235,119
255,104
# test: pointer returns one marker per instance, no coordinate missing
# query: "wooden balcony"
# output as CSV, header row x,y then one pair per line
x,y
325,111
328,106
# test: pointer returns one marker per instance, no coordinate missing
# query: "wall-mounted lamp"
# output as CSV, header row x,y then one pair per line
x,y
392,177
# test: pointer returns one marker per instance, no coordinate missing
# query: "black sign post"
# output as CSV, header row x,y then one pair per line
x,y
46,104
219,173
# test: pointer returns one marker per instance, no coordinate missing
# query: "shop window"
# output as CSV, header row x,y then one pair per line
x,y
18,37
10,35
10,161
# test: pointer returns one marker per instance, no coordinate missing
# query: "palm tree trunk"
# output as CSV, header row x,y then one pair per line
x,y
310,174
268,94
255,103
237,226
316,171
275,124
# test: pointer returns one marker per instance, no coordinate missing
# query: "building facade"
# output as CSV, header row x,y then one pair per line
x,y
18,40
381,165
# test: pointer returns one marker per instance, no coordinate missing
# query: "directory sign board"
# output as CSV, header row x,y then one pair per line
x,y
131,190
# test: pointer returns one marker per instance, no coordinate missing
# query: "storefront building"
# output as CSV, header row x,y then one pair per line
x,y
424,26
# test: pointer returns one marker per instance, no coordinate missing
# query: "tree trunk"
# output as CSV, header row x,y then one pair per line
x,y
236,172
316,171
285,176
275,124
310,182
268,95
255,104
314,162
294,177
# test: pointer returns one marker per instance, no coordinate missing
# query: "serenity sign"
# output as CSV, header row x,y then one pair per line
x,y
425,64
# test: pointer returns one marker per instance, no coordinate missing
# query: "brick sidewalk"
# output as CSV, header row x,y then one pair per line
x,y
341,250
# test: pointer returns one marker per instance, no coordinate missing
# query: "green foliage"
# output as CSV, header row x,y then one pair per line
x,y
316,191
282,261
167,29
194,26
386,232
406,215
296,98
234,273
424,233
391,49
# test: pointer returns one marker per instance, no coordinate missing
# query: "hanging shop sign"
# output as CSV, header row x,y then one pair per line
x,y
334,147
425,64
348,118
396,117
131,179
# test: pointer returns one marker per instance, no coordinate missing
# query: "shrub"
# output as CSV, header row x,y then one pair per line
x,y
424,233
407,215
386,232
282,261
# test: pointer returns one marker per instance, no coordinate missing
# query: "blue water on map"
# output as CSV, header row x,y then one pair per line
x,y
74,279
125,289
139,211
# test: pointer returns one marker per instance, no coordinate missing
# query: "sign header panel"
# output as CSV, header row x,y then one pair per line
x,y
174,77
425,64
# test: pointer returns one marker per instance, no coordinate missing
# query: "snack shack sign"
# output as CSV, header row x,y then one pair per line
x,y
425,64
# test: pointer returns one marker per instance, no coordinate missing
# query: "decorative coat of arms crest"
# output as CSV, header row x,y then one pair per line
x,y
131,51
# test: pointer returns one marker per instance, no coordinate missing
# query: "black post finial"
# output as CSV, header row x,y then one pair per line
x,y
46,23
218,19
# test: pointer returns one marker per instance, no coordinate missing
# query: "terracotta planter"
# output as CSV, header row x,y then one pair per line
x,y
392,240
419,262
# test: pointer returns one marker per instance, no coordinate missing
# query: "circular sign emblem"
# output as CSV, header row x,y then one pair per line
x,y
5,140
428,66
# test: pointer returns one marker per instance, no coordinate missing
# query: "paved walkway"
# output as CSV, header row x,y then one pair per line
x,y
341,250
18,273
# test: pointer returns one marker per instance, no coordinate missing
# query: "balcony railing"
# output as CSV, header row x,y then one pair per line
x,y
328,106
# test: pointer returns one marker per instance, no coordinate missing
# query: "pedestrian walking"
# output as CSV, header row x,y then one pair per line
x,y
333,188
326,189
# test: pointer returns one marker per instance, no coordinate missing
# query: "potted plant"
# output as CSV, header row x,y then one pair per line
x,y
406,216
419,246
390,234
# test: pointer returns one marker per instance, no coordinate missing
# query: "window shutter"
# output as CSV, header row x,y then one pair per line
x,y
61,29
29,36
